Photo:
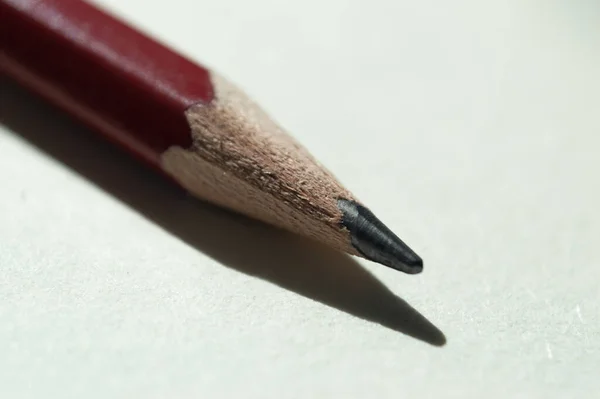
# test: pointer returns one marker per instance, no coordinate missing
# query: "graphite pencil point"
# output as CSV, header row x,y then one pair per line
x,y
375,241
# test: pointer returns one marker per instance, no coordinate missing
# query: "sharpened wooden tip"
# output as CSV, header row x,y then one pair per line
x,y
375,241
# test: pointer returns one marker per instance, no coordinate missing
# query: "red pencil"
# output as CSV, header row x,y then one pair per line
x,y
186,122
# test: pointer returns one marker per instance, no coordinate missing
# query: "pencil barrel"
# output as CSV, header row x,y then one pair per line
x,y
119,82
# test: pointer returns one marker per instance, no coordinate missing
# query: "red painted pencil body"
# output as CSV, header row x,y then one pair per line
x,y
119,82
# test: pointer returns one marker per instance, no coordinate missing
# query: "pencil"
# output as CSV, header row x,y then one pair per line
x,y
187,122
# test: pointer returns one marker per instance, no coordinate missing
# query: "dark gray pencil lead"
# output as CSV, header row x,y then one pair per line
x,y
375,241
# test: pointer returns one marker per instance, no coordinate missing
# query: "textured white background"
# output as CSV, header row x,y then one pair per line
x,y
471,127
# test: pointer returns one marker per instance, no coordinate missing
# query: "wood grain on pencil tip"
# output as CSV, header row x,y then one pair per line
x,y
187,122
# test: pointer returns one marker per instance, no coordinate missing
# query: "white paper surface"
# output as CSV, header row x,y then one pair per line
x,y
480,122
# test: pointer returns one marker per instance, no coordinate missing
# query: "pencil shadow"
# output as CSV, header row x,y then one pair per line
x,y
250,247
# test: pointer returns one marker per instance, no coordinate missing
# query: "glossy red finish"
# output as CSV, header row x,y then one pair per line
x,y
115,79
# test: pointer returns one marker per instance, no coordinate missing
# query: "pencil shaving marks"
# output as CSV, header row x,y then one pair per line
x,y
242,160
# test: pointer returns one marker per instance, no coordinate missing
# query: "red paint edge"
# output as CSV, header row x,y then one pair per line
x,y
118,81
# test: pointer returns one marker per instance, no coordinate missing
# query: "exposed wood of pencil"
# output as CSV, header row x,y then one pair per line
x,y
186,122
